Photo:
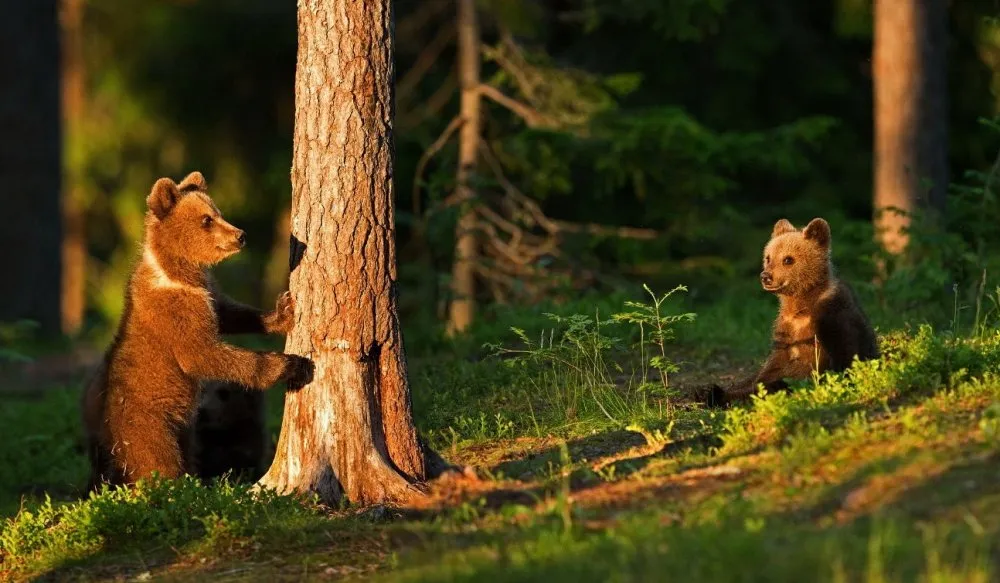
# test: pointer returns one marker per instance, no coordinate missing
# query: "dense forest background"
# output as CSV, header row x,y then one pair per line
x,y
621,142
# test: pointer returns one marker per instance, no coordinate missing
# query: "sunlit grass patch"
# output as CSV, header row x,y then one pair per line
x,y
155,513
911,367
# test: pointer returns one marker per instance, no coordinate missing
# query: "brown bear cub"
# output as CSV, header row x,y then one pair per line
x,y
820,325
139,409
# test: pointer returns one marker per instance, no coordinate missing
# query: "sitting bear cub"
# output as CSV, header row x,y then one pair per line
x,y
820,325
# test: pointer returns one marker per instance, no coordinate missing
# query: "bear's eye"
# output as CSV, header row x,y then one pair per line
x,y
206,221
788,260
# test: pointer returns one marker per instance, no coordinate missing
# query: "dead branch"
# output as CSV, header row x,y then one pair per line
x,y
606,231
432,106
555,226
522,248
412,24
425,158
425,60
517,235
530,115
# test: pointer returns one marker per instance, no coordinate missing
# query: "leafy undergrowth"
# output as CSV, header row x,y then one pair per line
x,y
888,472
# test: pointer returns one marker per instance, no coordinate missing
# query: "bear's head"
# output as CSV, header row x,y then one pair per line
x,y
183,222
796,261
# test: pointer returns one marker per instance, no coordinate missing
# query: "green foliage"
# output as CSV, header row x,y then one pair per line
x,y
578,361
658,150
154,512
464,429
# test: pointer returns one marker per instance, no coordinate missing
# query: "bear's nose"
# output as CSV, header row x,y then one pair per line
x,y
241,238
766,278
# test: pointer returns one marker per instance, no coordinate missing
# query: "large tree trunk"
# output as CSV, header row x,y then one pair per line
x,y
30,163
463,274
74,243
911,117
350,432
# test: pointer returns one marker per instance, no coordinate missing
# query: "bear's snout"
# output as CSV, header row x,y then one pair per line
x,y
241,239
766,278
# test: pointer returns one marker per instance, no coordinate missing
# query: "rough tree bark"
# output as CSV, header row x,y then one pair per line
x,y
911,117
463,274
350,432
74,243
30,163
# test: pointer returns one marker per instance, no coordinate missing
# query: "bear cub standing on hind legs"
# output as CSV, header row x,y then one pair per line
x,y
820,325
140,407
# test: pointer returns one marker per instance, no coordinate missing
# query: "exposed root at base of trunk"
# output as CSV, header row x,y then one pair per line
x,y
376,483
385,484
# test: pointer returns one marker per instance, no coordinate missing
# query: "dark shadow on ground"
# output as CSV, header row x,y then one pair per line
x,y
951,493
536,464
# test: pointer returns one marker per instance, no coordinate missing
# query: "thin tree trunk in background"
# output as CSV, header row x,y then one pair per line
x,y
463,275
276,271
350,432
30,163
74,243
911,113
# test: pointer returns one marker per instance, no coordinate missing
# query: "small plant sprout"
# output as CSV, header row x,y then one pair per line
x,y
660,331
578,361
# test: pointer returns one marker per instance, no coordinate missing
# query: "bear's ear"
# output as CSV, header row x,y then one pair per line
x,y
782,227
163,197
193,181
818,230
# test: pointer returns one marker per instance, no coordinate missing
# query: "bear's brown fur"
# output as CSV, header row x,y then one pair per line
x,y
139,408
820,324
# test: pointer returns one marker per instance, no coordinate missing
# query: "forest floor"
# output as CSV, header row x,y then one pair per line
x,y
890,472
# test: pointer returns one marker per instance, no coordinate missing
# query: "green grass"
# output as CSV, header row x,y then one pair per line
x,y
593,471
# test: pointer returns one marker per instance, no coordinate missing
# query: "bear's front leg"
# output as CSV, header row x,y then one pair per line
x,y
778,366
258,370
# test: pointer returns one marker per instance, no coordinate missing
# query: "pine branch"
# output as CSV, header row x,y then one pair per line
x,y
425,60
